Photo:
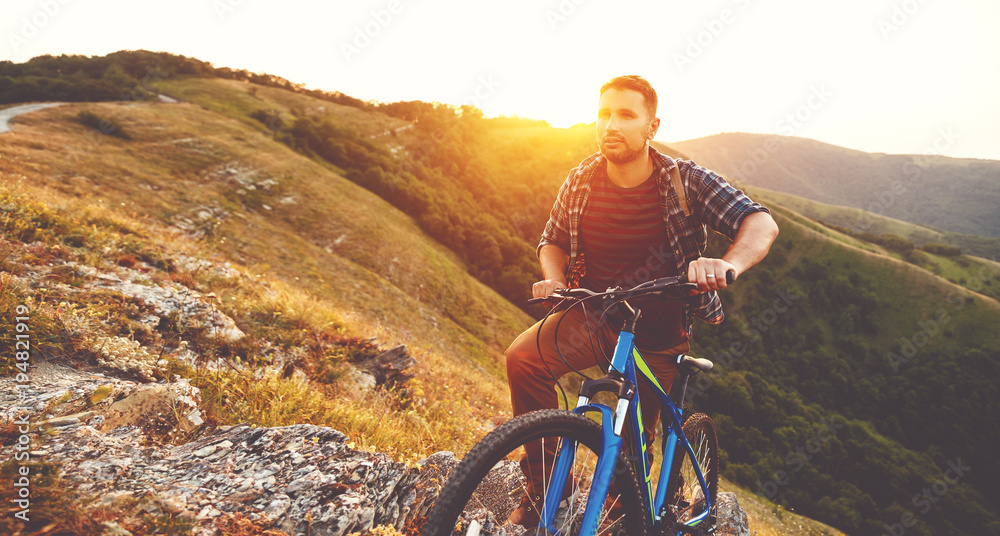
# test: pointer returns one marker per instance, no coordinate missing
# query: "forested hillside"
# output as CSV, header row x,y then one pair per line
x,y
851,371
849,379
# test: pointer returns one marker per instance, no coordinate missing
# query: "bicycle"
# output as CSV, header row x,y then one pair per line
x,y
580,457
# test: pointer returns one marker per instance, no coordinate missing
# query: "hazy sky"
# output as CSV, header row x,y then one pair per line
x,y
897,76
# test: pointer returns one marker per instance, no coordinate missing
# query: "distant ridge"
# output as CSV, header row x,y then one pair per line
x,y
950,194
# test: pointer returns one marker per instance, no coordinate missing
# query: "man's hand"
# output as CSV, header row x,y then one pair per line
x,y
753,240
553,261
709,274
542,289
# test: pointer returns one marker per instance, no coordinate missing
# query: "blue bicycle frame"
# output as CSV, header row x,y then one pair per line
x,y
626,361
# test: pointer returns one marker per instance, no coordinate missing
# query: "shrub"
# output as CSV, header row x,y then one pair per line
x,y
943,250
103,125
271,118
889,241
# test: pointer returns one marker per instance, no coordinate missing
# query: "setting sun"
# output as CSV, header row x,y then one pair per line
x,y
721,66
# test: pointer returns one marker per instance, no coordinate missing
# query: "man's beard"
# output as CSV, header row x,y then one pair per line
x,y
623,154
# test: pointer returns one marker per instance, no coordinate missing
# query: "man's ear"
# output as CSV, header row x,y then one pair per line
x,y
654,125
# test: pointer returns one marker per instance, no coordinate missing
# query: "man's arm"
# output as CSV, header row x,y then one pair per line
x,y
554,262
753,240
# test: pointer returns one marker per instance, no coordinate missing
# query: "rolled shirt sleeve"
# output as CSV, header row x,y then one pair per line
x,y
556,230
721,206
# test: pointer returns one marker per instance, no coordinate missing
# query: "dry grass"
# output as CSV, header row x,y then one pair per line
x,y
58,509
336,264
769,519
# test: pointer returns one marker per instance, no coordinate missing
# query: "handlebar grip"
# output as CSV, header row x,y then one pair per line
x,y
532,301
730,277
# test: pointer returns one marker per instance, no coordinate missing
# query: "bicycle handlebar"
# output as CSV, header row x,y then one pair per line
x,y
655,286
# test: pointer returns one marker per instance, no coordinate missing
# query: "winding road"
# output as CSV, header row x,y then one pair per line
x,y
9,113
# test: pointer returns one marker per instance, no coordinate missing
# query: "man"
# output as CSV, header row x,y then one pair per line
x,y
618,220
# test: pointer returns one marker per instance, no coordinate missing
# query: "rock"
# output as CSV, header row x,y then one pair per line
x,y
388,367
243,175
278,506
731,519
166,299
205,451
359,380
200,221
60,421
112,529
204,266
280,477
159,407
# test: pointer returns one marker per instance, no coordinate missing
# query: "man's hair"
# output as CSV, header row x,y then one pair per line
x,y
635,83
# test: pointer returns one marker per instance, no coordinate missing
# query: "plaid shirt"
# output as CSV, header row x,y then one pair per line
x,y
713,202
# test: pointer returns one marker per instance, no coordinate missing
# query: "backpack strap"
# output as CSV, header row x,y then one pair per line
x,y
675,179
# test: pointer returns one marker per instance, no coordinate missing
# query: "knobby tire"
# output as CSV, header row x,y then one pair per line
x,y
684,495
493,462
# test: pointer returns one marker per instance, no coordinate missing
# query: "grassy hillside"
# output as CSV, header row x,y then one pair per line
x,y
951,194
434,165
767,518
973,273
349,262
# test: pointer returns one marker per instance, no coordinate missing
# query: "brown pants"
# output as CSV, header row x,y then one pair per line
x,y
583,343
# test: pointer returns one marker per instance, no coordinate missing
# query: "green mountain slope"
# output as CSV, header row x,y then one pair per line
x,y
951,194
901,361
891,238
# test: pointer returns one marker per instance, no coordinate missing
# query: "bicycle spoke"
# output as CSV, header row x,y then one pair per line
x,y
691,484
545,487
688,497
578,484
603,526
487,487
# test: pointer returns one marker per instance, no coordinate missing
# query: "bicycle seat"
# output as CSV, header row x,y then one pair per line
x,y
699,363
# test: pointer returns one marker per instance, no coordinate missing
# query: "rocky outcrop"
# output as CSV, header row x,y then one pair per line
x,y
300,479
164,299
731,519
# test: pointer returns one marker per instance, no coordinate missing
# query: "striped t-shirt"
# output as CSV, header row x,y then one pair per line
x,y
625,243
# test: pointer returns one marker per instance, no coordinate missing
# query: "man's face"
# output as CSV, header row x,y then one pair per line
x,y
624,125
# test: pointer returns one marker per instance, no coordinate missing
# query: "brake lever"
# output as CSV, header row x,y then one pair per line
x,y
678,291
685,287
551,298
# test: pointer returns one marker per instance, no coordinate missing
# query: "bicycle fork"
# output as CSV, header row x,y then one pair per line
x,y
611,444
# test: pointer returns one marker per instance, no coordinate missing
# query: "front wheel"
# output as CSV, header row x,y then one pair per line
x,y
488,485
685,493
